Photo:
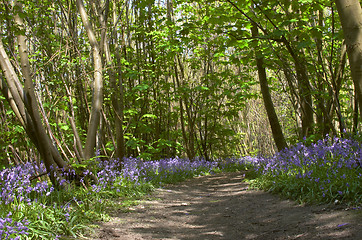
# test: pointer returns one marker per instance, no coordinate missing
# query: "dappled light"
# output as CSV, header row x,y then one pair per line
x,y
222,207
219,204
180,119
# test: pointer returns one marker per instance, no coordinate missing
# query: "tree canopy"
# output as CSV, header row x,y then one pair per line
x,y
155,79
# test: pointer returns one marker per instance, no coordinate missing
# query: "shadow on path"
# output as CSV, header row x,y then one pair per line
x,y
221,207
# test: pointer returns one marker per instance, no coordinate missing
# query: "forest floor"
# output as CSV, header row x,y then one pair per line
x,y
221,207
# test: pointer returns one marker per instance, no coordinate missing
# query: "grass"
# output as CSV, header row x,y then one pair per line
x,y
328,171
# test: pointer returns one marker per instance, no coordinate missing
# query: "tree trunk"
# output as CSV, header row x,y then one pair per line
x,y
268,102
78,148
355,114
117,95
97,100
24,103
350,14
305,95
49,152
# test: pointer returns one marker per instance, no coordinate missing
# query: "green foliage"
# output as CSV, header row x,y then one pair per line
x,y
196,53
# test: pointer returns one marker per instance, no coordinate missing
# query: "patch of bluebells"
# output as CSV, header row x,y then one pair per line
x,y
15,184
171,169
330,169
17,188
158,171
107,174
17,191
176,169
10,229
137,170
331,153
164,170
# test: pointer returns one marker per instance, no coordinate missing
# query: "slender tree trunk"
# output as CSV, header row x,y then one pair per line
x,y
117,95
191,118
77,142
182,120
355,114
119,107
305,95
350,14
97,100
268,102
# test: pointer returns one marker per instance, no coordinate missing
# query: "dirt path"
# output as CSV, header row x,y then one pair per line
x,y
221,207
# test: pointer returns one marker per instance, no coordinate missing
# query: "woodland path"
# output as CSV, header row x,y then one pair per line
x,y
221,207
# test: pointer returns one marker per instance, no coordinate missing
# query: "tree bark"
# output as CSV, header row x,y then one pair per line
x,y
117,91
268,102
78,148
97,100
350,14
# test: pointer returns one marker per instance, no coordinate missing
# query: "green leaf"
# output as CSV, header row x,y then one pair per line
x,y
64,127
149,116
219,54
9,112
141,87
303,44
202,88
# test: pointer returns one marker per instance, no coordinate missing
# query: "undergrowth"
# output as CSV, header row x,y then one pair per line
x,y
35,210
328,171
